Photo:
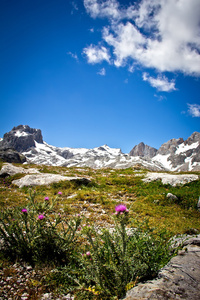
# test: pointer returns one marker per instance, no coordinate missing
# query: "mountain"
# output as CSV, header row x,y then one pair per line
x,y
175,155
143,151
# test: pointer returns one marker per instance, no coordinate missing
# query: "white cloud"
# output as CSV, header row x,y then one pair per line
x,y
159,34
96,54
74,7
161,83
102,72
73,55
108,8
194,110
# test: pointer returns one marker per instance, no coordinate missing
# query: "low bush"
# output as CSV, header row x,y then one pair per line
x,y
36,233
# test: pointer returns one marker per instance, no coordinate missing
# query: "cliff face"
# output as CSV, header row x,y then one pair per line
x,y
143,151
21,138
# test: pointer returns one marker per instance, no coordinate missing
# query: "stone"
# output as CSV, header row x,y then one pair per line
x,y
171,196
10,170
179,279
198,204
172,179
45,179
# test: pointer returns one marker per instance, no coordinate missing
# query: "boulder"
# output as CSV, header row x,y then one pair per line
x,y
171,196
171,178
179,279
45,179
10,170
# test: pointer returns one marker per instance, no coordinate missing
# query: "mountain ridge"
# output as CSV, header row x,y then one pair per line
x,y
174,155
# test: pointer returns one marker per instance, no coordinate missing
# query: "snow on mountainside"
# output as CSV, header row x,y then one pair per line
x,y
175,155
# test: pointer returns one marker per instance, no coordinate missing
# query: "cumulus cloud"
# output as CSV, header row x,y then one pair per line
x,y
161,83
108,8
159,34
194,110
102,72
96,54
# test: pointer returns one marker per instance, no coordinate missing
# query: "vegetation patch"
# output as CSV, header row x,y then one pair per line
x,y
98,240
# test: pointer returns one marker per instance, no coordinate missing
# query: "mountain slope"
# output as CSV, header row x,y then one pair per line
x,y
174,155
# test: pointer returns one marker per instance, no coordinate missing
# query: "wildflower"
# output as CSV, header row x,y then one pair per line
x,y
24,210
121,208
88,253
59,193
40,217
46,198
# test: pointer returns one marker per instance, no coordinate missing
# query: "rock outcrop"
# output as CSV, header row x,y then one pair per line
x,y
179,279
11,156
10,170
172,179
45,179
21,138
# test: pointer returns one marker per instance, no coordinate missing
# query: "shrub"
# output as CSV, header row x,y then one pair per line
x,y
113,261
37,233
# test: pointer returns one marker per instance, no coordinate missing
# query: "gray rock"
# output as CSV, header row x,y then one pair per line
x,y
198,204
143,151
11,156
10,170
171,196
21,138
170,178
179,279
170,146
45,179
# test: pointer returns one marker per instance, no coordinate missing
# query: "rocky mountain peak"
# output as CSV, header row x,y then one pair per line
x,y
195,137
143,150
170,146
21,138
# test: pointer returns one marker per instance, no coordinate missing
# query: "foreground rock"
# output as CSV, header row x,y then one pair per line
x,y
170,178
179,279
10,170
45,179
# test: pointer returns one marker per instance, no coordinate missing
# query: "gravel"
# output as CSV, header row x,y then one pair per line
x,y
22,282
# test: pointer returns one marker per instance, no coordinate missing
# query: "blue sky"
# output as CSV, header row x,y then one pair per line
x,y
92,72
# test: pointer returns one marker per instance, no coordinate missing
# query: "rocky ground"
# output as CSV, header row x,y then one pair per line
x,y
179,279
22,282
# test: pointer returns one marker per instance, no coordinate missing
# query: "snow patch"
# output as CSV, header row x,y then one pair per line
x,y
19,133
163,159
183,148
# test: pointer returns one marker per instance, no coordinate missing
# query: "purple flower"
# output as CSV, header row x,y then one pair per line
x,y
59,193
24,210
121,208
40,217
88,253
46,198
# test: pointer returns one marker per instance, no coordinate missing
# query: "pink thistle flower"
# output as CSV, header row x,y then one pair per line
x,y
88,253
121,208
59,193
46,198
24,210
40,217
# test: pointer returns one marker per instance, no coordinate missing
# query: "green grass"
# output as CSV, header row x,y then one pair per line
x,y
96,202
